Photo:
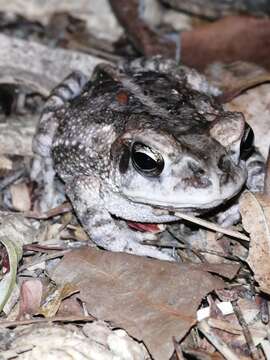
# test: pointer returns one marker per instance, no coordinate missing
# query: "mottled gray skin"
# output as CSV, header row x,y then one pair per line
x,y
169,110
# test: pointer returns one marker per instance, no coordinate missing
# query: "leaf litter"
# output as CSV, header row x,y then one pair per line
x,y
87,303
255,210
143,296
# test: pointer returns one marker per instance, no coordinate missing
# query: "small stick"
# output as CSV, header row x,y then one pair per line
x,y
225,325
245,85
45,320
44,258
178,349
212,226
42,248
59,210
219,344
246,331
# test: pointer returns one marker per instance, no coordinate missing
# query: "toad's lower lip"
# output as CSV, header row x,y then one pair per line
x,y
187,207
174,206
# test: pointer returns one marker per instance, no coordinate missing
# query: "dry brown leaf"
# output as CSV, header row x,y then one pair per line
x,y
70,307
31,294
255,211
225,40
225,270
152,300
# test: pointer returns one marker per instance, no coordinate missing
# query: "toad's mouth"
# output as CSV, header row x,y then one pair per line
x,y
197,201
146,227
186,207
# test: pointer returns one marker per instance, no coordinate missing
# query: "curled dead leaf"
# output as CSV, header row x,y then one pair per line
x,y
31,294
152,300
255,211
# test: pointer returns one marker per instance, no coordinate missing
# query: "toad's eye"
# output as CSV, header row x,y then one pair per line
x,y
146,160
247,143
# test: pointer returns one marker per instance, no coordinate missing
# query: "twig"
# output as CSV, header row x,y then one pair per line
x,y
58,210
245,85
178,350
195,250
225,326
42,259
42,248
219,344
76,44
143,37
45,320
246,331
8,180
212,226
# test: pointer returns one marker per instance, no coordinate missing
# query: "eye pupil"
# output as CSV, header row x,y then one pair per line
x,y
146,161
247,143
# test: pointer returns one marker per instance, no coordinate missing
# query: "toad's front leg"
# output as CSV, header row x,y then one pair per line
x,y
42,168
104,230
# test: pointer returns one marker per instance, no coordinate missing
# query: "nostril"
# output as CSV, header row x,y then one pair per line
x,y
196,168
198,177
